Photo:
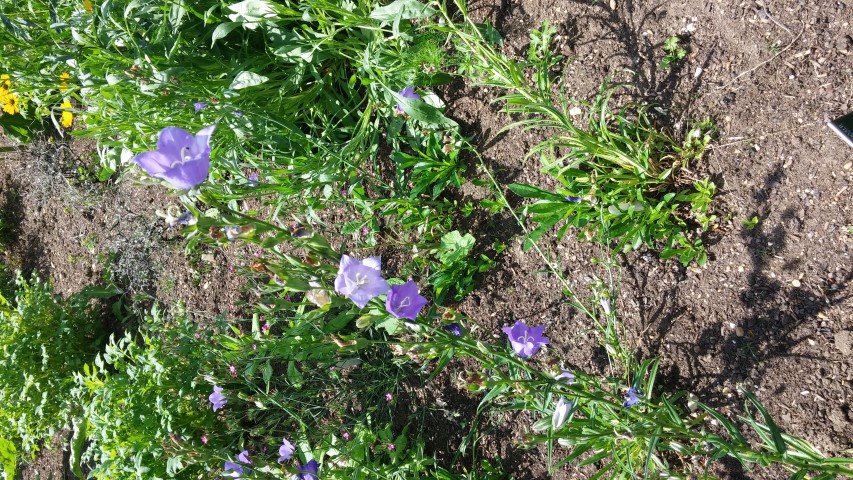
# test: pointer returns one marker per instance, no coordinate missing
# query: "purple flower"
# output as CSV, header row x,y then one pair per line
x,y
199,106
404,301
631,398
308,471
572,199
453,328
359,280
566,377
217,398
186,218
285,451
408,92
181,159
253,180
243,457
233,470
525,340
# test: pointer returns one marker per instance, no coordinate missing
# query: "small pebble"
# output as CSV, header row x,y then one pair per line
x,y
739,331
795,283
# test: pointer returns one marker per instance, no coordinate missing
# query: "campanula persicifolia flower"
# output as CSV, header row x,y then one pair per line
x,y
404,301
309,471
408,92
253,180
631,398
217,398
453,328
181,159
243,457
233,470
285,451
572,199
360,280
199,106
566,377
525,340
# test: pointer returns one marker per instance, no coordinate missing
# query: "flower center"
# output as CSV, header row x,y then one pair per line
x,y
184,157
405,302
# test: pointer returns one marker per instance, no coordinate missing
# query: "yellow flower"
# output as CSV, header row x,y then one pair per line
x,y
5,81
67,116
10,104
87,5
63,81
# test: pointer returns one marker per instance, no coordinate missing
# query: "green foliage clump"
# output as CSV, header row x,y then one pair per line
x,y
44,339
140,400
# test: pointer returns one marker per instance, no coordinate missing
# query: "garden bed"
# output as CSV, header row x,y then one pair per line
x,y
770,311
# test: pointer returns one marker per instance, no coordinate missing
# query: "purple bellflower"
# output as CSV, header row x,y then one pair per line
x,y
360,280
233,470
285,451
453,328
525,340
253,180
308,471
243,457
181,159
404,301
199,106
631,398
572,199
408,92
566,377
217,398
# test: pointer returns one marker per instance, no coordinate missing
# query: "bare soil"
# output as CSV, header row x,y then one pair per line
x,y
771,311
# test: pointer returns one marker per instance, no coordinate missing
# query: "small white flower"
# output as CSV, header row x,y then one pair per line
x,y
561,413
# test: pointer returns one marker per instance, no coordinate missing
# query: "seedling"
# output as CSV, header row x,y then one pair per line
x,y
674,52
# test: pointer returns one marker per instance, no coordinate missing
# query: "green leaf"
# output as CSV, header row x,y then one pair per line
x,y
423,112
455,247
267,375
529,191
778,441
247,79
401,10
222,30
7,458
293,376
77,443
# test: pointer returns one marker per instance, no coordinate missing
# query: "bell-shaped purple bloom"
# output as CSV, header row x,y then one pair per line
x,y
404,301
408,92
309,471
525,340
233,470
243,457
253,180
199,106
181,159
631,398
566,377
360,280
285,451
453,328
572,199
217,398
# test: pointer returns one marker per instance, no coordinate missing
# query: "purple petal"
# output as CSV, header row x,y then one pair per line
x,y
404,301
244,457
199,106
373,262
153,162
285,451
173,141
309,470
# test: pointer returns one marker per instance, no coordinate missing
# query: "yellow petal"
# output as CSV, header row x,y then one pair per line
x,y
87,5
67,119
